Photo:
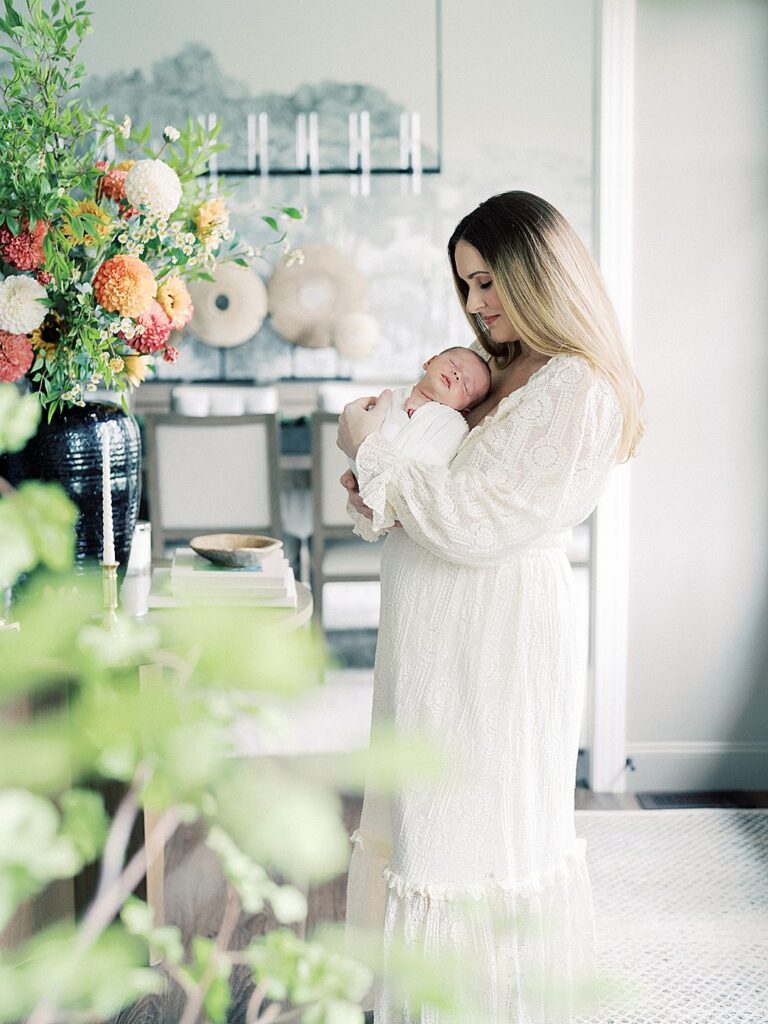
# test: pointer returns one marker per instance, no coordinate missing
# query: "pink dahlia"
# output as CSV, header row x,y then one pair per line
x,y
112,185
16,356
24,250
171,354
157,330
124,285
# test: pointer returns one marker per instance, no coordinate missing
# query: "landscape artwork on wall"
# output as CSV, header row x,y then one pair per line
x,y
306,66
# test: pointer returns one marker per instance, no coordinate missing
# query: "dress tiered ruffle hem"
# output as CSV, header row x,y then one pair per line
x,y
496,952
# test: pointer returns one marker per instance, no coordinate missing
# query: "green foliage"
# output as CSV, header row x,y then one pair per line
x,y
19,418
211,968
84,822
93,983
36,528
308,973
166,940
36,845
272,822
253,884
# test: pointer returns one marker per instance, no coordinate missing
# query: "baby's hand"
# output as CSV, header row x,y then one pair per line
x,y
349,480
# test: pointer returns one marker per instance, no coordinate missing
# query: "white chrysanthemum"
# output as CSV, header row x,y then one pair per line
x,y
20,310
170,134
153,185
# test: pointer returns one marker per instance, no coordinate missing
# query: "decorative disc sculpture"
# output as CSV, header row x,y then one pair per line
x,y
230,309
309,300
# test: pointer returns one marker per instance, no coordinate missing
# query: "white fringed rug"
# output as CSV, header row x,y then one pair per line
x,y
681,907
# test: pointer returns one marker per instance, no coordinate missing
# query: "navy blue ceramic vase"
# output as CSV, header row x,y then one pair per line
x,y
69,451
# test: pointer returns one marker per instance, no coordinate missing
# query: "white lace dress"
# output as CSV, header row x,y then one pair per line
x,y
476,653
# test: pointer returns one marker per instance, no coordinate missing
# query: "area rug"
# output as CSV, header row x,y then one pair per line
x,y
681,907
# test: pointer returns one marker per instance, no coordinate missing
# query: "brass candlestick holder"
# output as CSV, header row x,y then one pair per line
x,y
109,585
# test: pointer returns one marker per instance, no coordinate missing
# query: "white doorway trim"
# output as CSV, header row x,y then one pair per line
x,y
613,206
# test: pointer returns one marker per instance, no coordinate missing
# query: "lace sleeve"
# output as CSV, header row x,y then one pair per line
x,y
362,526
534,467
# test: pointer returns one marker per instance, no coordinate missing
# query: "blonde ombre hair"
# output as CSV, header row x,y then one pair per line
x,y
552,290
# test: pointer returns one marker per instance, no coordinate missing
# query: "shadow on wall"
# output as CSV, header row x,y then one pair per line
x,y
748,758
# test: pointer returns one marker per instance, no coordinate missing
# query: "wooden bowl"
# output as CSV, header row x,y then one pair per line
x,y
235,550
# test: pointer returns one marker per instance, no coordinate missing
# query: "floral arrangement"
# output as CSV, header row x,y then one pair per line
x,y
95,253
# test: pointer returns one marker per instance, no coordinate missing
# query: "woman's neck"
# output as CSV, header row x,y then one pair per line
x,y
523,353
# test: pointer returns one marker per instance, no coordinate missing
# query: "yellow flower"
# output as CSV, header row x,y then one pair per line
x,y
213,213
176,301
136,368
124,165
47,336
88,206
116,364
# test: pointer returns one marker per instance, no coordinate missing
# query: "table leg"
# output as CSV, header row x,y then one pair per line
x,y
150,675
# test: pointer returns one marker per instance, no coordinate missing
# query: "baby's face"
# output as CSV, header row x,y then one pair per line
x,y
457,378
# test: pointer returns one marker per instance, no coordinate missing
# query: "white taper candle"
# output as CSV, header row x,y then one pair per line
x,y
108,553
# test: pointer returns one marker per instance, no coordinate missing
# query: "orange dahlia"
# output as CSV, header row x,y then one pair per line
x,y
175,299
124,285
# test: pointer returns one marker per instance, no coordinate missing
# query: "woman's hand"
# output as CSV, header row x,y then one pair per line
x,y
359,419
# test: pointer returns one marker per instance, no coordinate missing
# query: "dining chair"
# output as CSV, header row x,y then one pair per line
x,y
211,474
338,555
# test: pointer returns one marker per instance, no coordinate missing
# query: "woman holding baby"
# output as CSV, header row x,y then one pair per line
x,y
476,648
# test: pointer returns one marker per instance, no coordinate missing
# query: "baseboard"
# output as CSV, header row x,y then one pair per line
x,y
697,765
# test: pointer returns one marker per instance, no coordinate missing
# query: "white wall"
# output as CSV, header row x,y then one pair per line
x,y
698,700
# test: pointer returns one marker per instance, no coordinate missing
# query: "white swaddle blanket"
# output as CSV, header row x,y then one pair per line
x,y
432,435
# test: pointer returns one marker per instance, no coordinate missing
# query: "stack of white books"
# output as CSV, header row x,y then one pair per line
x,y
193,579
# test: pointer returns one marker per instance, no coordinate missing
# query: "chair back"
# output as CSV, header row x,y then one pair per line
x,y
211,474
328,465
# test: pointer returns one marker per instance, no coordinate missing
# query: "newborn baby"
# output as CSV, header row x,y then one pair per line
x,y
425,422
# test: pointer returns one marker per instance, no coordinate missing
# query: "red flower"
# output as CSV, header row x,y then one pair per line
x,y
16,356
24,250
112,185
